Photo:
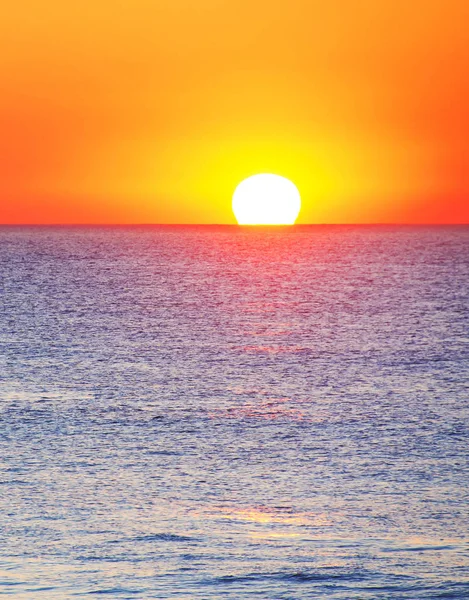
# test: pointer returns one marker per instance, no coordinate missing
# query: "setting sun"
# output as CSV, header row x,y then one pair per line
x,y
266,199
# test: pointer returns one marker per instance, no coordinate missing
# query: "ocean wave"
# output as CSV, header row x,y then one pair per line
x,y
164,537
293,577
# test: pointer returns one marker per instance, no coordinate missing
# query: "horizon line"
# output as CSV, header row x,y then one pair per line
x,y
378,224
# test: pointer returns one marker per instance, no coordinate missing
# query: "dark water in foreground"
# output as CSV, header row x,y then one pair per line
x,y
218,413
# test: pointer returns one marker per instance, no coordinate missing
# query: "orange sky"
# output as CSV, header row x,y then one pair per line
x,y
151,111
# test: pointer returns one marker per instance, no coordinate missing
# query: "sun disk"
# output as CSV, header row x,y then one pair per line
x,y
266,199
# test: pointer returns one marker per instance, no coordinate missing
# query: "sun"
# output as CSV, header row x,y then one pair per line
x,y
266,199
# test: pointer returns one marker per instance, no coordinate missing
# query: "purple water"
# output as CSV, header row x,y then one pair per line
x,y
220,412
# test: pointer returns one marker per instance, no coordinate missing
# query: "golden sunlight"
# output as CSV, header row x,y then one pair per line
x,y
266,199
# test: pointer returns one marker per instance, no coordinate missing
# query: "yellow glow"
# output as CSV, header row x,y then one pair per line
x,y
266,199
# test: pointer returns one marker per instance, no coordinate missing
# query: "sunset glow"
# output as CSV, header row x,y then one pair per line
x,y
147,112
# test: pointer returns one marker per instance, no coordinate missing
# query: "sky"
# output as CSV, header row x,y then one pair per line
x,y
152,111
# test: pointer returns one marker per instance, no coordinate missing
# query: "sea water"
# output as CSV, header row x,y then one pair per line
x,y
234,413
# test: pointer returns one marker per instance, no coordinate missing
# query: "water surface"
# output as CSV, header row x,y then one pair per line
x,y
220,412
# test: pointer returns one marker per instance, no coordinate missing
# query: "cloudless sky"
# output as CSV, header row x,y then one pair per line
x,y
151,111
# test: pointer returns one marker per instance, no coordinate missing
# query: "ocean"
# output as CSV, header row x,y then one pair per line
x,y
218,412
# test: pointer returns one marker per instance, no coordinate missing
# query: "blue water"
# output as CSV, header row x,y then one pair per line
x,y
229,413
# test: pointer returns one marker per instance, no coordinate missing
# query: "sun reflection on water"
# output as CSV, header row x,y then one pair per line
x,y
270,409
